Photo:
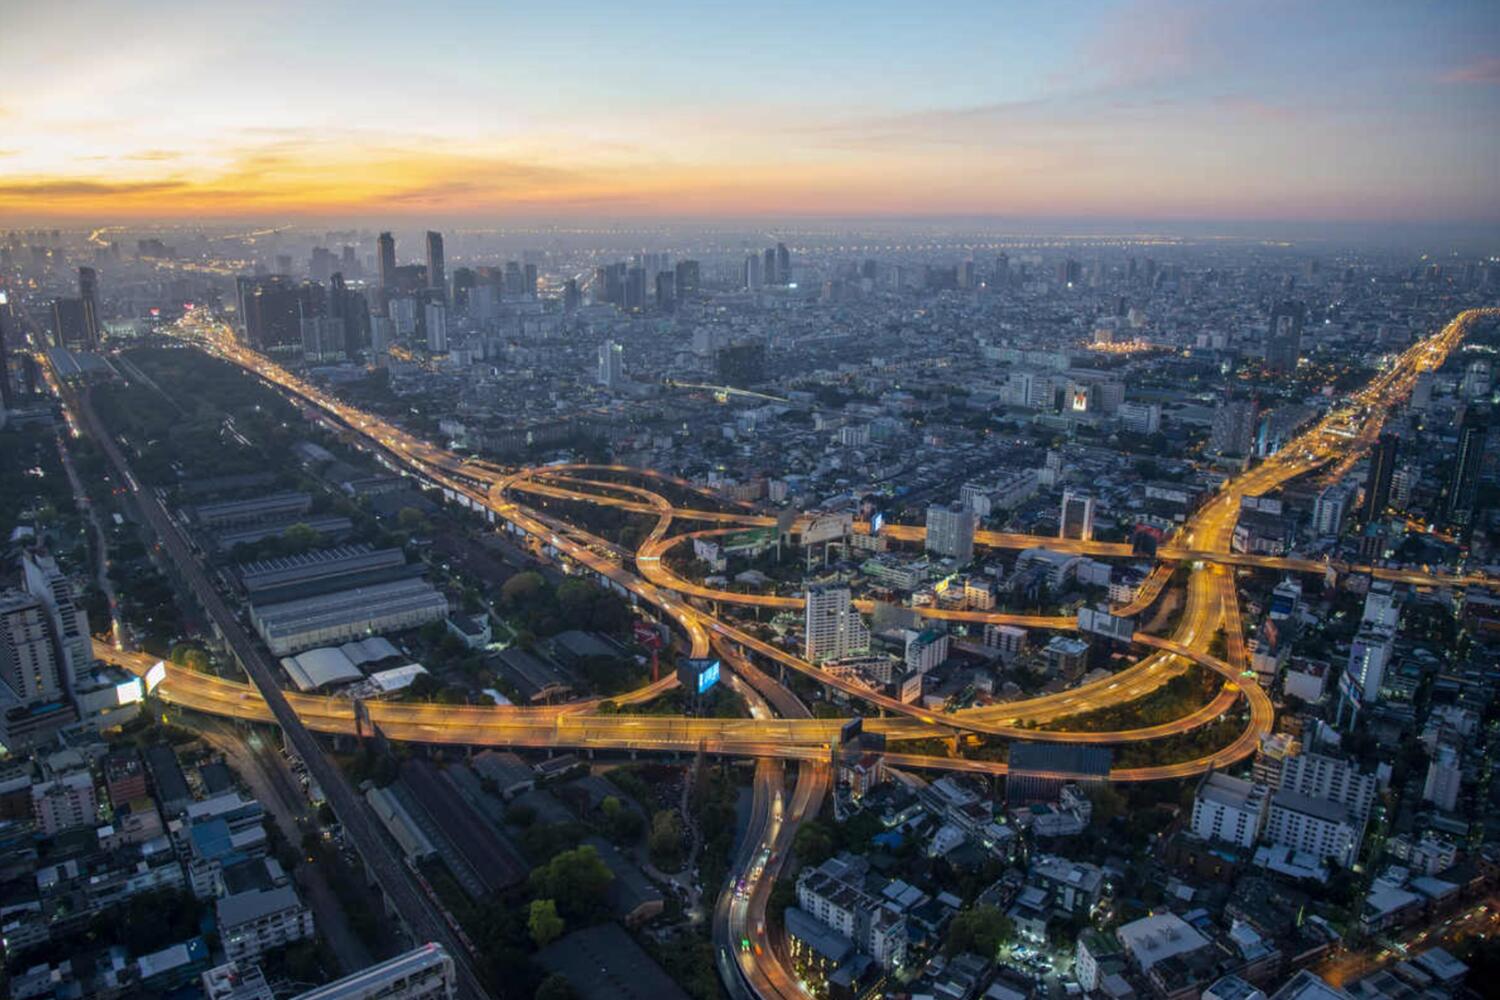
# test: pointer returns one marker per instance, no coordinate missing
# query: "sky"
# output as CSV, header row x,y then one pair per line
x,y
1366,111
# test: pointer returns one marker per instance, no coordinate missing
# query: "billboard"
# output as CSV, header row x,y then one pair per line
x,y
827,528
155,676
698,675
1105,624
851,730
911,689
877,522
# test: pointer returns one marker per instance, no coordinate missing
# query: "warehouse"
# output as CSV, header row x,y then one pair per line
x,y
350,614
228,512
315,566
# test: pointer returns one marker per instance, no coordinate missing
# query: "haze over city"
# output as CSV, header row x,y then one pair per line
x,y
1135,110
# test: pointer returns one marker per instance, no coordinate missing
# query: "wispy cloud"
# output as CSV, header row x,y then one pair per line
x,y
1486,70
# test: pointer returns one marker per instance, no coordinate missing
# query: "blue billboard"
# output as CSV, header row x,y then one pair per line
x,y
708,677
877,522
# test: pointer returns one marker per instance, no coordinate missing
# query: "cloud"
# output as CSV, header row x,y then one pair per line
x,y
1486,70
72,188
154,155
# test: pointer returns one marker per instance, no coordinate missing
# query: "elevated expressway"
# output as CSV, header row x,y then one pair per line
x,y
1212,604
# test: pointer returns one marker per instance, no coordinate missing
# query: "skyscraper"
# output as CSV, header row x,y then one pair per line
x,y
7,392
783,264
88,293
832,628
1378,482
950,531
611,364
386,254
1077,517
1232,432
1284,336
768,267
29,663
436,316
687,279
1463,481
436,276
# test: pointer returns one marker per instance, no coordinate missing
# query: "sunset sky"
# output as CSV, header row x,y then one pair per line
x,y
1360,111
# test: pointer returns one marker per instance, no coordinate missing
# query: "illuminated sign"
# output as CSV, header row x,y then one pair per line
x,y
1080,399
155,676
877,522
129,692
709,677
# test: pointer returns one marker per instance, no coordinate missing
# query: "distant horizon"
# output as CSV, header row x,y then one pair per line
x,y
1336,113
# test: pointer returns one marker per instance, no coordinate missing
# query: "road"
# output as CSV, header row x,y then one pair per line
x,y
416,912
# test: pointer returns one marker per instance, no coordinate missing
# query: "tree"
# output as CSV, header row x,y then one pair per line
x,y
543,922
981,930
555,987
665,842
411,519
521,588
299,538
813,844
576,879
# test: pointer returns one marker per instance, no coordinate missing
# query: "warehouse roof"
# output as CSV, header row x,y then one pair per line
x,y
318,668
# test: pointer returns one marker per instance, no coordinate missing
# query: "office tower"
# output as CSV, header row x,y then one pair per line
x,y
1378,482
635,288
349,263
666,287
1001,276
386,255
1463,480
70,625
611,365
436,277
528,280
1077,517
7,390
687,279
783,264
1477,379
950,531
833,629
752,272
29,661
1329,510
1421,390
1403,481
1369,655
768,267
272,309
350,316
436,316
571,297
1444,779
321,264
1284,336
88,295
68,327
1232,431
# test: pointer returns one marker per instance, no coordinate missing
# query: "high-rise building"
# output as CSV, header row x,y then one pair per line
x,y
688,277
1403,481
635,288
833,629
1319,776
1076,520
7,388
753,278
1233,430
783,264
1284,337
1444,779
70,625
272,309
1330,509
950,531
571,297
1369,655
666,289
386,256
437,277
30,664
1463,480
68,327
88,295
436,316
611,365
768,267
1378,482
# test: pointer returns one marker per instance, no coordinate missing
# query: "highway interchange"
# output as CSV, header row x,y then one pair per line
x,y
781,728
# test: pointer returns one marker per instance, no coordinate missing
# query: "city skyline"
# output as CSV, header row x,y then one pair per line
x,y
1141,111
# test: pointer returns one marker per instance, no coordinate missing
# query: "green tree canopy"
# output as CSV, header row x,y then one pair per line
x,y
980,929
577,880
543,922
